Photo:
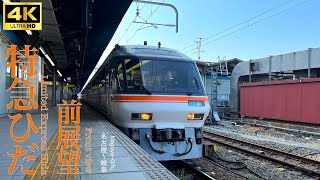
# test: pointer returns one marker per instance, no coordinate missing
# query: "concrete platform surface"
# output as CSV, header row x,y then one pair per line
x,y
106,153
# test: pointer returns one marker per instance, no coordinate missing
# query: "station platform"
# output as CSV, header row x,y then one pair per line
x,y
124,159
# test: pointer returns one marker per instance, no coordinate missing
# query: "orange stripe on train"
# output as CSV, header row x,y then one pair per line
x,y
182,99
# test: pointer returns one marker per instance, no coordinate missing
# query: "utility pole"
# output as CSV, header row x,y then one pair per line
x,y
199,50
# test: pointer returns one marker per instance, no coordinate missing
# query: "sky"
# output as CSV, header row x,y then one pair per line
x,y
293,30
285,26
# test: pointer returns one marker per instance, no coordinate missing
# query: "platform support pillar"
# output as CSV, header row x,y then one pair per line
x,y
61,84
54,83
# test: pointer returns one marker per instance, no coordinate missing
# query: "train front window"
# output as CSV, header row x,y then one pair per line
x,y
163,77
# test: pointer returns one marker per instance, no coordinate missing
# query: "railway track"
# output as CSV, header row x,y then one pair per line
x,y
290,127
185,169
304,165
244,172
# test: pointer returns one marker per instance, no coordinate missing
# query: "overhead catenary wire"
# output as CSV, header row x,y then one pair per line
x,y
126,31
299,4
92,74
146,21
254,17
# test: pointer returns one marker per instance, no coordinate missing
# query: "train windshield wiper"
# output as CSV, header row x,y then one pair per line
x,y
144,88
196,82
189,93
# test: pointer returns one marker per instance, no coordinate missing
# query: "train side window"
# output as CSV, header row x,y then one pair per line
x,y
117,80
107,76
100,80
120,79
112,79
133,74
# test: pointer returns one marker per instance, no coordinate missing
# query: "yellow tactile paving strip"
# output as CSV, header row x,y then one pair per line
x,y
53,164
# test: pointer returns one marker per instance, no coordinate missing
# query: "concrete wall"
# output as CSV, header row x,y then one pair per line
x,y
66,95
223,89
57,93
223,86
295,61
6,79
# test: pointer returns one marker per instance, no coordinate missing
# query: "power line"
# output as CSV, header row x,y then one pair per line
x,y
131,21
251,24
146,21
243,22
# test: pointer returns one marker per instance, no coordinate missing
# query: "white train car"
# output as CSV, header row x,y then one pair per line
x,y
155,96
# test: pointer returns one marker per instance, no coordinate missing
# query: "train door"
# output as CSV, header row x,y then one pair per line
x,y
106,87
112,85
116,81
109,87
99,90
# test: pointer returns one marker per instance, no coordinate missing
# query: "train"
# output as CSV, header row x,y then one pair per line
x,y
155,96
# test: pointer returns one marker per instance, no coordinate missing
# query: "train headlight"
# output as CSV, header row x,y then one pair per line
x,y
141,116
146,116
192,116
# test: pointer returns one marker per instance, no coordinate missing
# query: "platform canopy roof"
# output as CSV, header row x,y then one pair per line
x,y
76,32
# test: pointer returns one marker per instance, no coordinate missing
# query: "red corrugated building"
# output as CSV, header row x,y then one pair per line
x,y
290,100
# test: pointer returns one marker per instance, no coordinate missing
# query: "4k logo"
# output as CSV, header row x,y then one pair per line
x,y
22,16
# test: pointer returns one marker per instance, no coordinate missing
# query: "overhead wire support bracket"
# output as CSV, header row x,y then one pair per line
x,y
154,24
162,4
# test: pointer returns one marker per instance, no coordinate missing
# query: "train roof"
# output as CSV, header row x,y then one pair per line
x,y
150,51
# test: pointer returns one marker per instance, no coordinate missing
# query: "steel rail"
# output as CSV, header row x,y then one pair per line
x,y
224,140
207,158
190,168
200,174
